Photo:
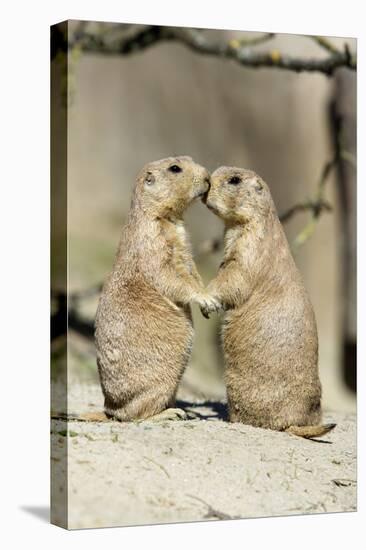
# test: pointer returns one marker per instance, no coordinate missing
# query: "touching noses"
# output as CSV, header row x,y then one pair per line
x,y
206,179
205,195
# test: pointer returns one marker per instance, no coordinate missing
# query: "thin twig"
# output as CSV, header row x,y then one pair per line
x,y
326,44
344,482
212,512
309,228
245,42
158,465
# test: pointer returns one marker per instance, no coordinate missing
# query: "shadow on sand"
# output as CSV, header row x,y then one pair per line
x,y
204,410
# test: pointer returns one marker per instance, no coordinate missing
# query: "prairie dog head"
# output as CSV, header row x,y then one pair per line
x,y
166,187
237,195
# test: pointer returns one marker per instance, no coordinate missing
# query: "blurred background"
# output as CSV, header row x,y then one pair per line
x,y
129,94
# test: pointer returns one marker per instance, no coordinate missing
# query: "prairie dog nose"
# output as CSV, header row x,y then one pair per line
x,y
207,177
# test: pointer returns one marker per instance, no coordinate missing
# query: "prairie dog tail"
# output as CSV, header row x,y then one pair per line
x,y
310,431
86,417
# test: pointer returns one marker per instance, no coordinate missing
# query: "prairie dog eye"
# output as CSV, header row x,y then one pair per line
x,y
175,169
234,180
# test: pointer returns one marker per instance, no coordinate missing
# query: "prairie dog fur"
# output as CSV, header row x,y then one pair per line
x,y
143,324
269,331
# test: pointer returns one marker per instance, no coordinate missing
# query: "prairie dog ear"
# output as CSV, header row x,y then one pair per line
x,y
149,178
258,186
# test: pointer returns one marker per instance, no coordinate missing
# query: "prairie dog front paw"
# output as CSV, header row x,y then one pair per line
x,y
208,304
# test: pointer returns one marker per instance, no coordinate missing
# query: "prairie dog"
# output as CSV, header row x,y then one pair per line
x,y
143,324
269,331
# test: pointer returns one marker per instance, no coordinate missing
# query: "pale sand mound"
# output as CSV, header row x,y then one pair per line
x,y
200,469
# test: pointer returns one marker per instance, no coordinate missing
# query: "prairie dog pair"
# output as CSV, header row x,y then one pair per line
x,y
269,331
144,329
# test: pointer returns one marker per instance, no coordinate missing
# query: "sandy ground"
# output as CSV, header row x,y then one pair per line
x,y
198,469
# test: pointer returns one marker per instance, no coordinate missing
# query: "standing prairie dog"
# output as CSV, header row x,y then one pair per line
x,y
143,324
269,331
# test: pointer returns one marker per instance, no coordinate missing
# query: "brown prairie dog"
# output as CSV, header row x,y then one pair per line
x,y
144,329
269,331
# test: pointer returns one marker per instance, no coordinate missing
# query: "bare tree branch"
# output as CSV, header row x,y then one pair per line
x,y
314,206
197,41
308,230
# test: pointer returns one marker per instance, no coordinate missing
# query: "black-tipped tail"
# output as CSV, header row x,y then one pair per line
x,y
310,431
